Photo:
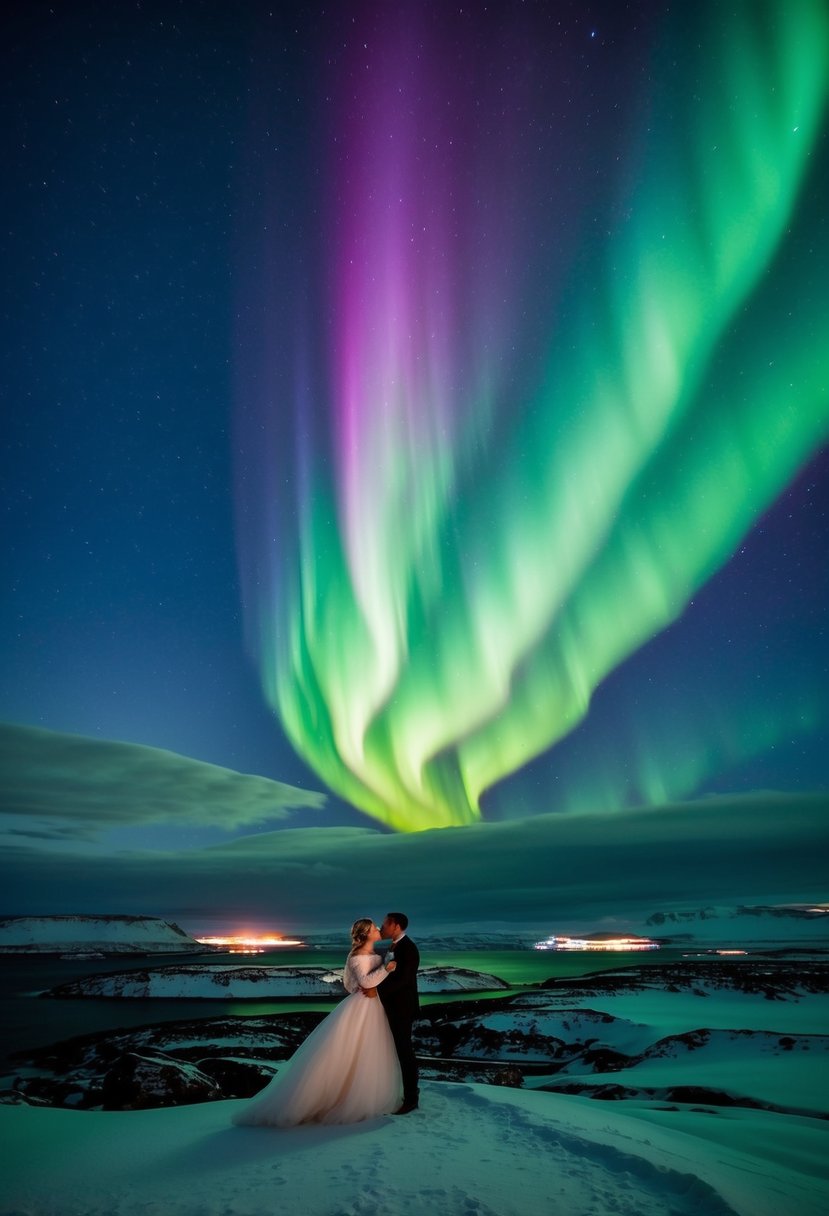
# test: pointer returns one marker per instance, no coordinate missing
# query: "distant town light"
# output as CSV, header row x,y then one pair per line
x,y
249,943
558,942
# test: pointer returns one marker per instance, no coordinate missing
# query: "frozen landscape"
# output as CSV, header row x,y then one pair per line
x,y
693,1087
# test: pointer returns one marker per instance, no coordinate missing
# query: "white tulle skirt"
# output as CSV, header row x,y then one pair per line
x,y
346,1070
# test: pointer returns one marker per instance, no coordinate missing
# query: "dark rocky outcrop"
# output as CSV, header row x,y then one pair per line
x,y
775,979
241,1078
140,1082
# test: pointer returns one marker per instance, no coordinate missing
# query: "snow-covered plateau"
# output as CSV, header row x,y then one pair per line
x,y
209,981
91,935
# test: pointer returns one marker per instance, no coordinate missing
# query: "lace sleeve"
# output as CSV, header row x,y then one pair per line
x,y
363,971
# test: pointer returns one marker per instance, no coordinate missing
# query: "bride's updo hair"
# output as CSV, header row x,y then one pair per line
x,y
360,931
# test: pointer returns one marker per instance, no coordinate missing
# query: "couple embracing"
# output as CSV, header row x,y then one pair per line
x,y
359,1062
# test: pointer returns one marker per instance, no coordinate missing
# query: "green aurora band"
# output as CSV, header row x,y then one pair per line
x,y
431,638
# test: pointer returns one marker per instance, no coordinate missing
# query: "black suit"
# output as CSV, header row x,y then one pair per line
x,y
398,992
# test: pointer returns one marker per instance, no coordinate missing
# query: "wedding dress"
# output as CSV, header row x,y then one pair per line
x,y
346,1070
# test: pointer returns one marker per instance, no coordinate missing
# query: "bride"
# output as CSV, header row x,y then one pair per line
x,y
347,1069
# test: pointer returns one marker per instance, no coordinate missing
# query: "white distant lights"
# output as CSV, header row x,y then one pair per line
x,y
558,942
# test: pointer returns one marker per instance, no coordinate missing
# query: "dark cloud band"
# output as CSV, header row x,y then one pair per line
x,y
56,784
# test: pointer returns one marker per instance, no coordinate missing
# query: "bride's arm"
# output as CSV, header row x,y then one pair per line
x,y
368,974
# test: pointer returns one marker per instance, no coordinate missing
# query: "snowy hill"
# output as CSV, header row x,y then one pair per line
x,y
206,981
94,935
746,925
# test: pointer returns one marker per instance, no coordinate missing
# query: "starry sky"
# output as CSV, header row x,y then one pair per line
x,y
415,417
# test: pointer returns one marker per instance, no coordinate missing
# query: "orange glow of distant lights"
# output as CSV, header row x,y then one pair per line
x,y
250,943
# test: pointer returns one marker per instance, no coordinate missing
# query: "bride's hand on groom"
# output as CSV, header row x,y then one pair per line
x,y
372,992
391,966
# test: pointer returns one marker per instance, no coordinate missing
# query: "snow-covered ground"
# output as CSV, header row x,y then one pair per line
x,y
470,1150
94,935
214,981
712,1034
741,1066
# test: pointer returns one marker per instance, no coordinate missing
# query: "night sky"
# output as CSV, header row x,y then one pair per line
x,y
415,416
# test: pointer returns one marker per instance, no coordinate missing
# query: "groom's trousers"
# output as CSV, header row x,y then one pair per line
x,y
401,1031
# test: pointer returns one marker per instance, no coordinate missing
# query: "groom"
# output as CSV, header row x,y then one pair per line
x,y
398,992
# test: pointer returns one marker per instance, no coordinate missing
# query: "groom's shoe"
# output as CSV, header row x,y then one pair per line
x,y
406,1107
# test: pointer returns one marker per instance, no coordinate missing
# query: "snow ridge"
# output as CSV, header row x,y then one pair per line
x,y
210,981
94,935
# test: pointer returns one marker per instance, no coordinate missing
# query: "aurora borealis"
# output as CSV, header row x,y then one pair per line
x,y
417,418
534,427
